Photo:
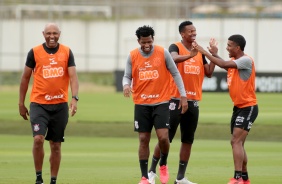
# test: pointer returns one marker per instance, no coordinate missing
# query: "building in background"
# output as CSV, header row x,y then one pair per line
x,y
101,32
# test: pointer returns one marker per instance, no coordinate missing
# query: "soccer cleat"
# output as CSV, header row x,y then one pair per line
x,y
247,181
152,177
235,181
144,181
38,182
164,175
184,181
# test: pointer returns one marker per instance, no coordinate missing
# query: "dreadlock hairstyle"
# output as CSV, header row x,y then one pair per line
x,y
145,31
239,40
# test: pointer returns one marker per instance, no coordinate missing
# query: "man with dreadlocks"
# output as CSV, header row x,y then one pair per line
x,y
146,75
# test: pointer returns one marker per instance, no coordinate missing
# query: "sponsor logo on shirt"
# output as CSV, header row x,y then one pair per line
x,y
191,93
53,62
157,61
147,75
192,60
53,72
190,69
147,64
144,96
48,97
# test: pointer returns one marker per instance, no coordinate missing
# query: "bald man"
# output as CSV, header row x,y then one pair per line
x,y
53,68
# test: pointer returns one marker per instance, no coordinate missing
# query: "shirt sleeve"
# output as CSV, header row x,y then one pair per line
x,y
175,73
127,77
244,62
244,65
71,59
204,59
30,61
173,48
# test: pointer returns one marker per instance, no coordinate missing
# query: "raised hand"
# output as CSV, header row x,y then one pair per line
x,y
213,46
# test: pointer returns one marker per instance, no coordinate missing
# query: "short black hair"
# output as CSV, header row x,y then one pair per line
x,y
145,31
239,40
183,24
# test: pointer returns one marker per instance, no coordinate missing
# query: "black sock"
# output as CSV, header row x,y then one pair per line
x,y
154,164
181,170
53,180
245,176
39,176
163,159
144,168
237,174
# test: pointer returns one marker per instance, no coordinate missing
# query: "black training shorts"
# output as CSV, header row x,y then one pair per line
x,y
49,120
244,117
188,121
145,117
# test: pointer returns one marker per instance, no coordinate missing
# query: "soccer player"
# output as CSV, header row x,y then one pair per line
x,y
53,68
241,83
192,66
146,76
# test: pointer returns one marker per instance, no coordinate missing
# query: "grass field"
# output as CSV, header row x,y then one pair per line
x,y
103,112
101,147
98,104
96,160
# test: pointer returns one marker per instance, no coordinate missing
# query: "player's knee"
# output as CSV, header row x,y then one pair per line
x,y
188,140
55,146
38,139
235,142
38,142
144,140
163,140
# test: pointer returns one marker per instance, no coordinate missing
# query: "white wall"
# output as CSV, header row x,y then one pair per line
x,y
104,45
